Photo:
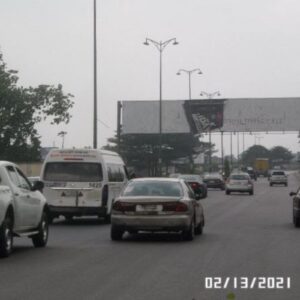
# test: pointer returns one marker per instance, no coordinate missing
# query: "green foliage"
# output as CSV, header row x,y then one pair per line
x,y
280,155
256,151
21,109
141,151
226,167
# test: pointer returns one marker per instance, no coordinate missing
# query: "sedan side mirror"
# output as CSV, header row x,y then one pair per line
x,y
38,186
293,194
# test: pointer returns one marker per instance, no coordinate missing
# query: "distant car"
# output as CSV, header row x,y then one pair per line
x,y
174,175
239,182
214,180
251,173
296,207
196,183
278,177
157,204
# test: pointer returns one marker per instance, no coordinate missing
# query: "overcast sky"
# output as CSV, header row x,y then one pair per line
x,y
245,48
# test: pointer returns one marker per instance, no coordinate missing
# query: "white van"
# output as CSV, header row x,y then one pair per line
x,y
81,182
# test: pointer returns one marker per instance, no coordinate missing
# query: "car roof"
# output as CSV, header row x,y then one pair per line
x,y
157,179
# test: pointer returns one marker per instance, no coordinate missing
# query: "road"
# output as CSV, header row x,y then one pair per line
x,y
244,236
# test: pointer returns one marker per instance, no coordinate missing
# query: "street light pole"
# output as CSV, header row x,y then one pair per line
x,y
62,134
160,46
189,72
95,133
210,96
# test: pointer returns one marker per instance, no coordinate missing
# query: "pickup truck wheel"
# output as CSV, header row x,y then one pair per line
x,y
40,239
6,237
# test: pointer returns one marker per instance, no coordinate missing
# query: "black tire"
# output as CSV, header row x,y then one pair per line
x,y
271,184
116,233
286,184
227,192
69,218
6,237
296,222
251,193
107,219
189,234
199,228
40,239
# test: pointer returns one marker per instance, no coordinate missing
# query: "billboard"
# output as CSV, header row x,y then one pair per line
x,y
235,115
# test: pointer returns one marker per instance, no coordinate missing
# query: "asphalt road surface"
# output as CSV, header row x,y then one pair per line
x,y
244,236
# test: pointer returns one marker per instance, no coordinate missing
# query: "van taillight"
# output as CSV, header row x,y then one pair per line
x,y
105,196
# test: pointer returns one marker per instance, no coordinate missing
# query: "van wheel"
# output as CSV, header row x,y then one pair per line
x,y
107,219
40,239
69,218
296,221
227,192
116,233
6,237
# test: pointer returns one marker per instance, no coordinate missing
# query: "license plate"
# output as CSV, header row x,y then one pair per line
x,y
149,208
68,193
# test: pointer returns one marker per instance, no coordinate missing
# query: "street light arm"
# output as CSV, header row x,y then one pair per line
x,y
163,45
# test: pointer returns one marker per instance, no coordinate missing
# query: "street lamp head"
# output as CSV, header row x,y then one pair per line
x,y
178,73
175,43
146,43
200,72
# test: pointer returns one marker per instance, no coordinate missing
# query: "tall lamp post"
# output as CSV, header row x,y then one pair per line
x,y
160,46
95,132
189,72
210,96
62,134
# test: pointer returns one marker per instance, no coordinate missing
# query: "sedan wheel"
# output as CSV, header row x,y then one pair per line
x,y
189,233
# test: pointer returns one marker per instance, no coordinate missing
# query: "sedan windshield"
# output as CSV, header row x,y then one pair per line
x,y
153,188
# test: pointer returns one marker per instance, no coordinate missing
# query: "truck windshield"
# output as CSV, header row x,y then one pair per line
x,y
73,172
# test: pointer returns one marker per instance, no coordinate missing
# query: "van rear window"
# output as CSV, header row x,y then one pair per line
x,y
73,172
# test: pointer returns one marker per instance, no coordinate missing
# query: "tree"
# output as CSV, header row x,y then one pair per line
x,y
141,151
21,109
256,151
280,155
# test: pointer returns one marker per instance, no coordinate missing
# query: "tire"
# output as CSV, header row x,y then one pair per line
x,y
296,222
189,234
271,184
199,228
107,219
227,192
251,193
6,237
40,239
286,184
116,233
69,218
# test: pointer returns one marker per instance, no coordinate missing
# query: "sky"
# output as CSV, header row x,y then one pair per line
x,y
245,49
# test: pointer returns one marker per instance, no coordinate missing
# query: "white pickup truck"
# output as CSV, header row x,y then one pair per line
x,y
23,209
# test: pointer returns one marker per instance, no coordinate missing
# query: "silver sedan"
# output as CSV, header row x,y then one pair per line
x,y
157,204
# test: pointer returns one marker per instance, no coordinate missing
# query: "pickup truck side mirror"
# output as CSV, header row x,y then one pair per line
x,y
293,194
38,186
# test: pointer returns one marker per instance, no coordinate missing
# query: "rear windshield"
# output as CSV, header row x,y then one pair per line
x,y
153,188
278,173
190,177
239,177
73,171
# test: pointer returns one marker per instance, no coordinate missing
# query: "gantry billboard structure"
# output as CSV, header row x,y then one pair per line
x,y
197,116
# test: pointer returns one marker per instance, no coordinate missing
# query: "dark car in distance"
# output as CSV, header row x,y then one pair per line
x,y
214,180
196,183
